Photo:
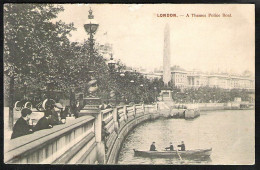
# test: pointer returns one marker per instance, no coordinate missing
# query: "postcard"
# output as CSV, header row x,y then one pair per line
x,y
120,84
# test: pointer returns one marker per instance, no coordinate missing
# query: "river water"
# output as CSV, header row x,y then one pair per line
x,y
230,134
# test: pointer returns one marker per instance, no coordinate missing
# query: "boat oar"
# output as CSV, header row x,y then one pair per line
x,y
179,156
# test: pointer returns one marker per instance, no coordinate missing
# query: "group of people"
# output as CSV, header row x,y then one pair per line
x,y
171,148
51,118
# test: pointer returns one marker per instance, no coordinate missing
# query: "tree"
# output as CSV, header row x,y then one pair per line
x,y
32,45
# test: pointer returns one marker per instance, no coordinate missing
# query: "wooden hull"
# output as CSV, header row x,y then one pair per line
x,y
188,153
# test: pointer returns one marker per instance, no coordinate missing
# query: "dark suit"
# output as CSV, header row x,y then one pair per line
x,y
43,123
21,128
63,114
182,147
152,147
171,148
54,120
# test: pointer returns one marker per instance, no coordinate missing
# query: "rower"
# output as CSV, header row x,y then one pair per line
x,y
152,147
170,147
182,145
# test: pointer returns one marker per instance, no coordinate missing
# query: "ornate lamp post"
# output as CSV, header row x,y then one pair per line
x,y
111,63
112,66
155,94
91,28
143,91
115,73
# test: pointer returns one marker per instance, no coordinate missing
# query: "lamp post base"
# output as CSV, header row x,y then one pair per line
x,y
112,102
91,104
166,95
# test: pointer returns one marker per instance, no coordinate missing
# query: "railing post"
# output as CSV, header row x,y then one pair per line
x,y
98,126
143,108
134,108
115,117
98,136
125,110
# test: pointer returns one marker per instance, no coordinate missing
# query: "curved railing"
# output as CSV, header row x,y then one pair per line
x,y
119,121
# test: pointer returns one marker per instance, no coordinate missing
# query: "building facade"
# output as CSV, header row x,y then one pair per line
x,y
152,76
191,79
220,81
179,79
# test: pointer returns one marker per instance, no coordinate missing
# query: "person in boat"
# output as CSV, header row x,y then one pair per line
x,y
170,147
182,146
152,147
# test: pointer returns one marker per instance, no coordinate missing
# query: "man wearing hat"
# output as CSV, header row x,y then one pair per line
x,y
182,145
44,122
152,147
170,147
21,126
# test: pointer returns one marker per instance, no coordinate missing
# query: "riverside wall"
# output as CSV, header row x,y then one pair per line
x,y
191,111
145,113
80,141
215,106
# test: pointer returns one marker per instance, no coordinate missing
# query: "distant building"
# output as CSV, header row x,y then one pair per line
x,y
183,79
179,77
196,80
152,76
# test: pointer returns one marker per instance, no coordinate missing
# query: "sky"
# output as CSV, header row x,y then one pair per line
x,y
202,43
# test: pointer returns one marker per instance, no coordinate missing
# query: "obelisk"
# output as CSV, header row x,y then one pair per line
x,y
166,56
166,92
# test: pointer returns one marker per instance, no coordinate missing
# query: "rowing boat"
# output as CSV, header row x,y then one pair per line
x,y
187,153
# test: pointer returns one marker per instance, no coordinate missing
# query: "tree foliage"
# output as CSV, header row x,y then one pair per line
x,y
39,55
34,46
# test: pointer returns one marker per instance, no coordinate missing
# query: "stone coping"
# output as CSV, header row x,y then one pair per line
x,y
23,144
